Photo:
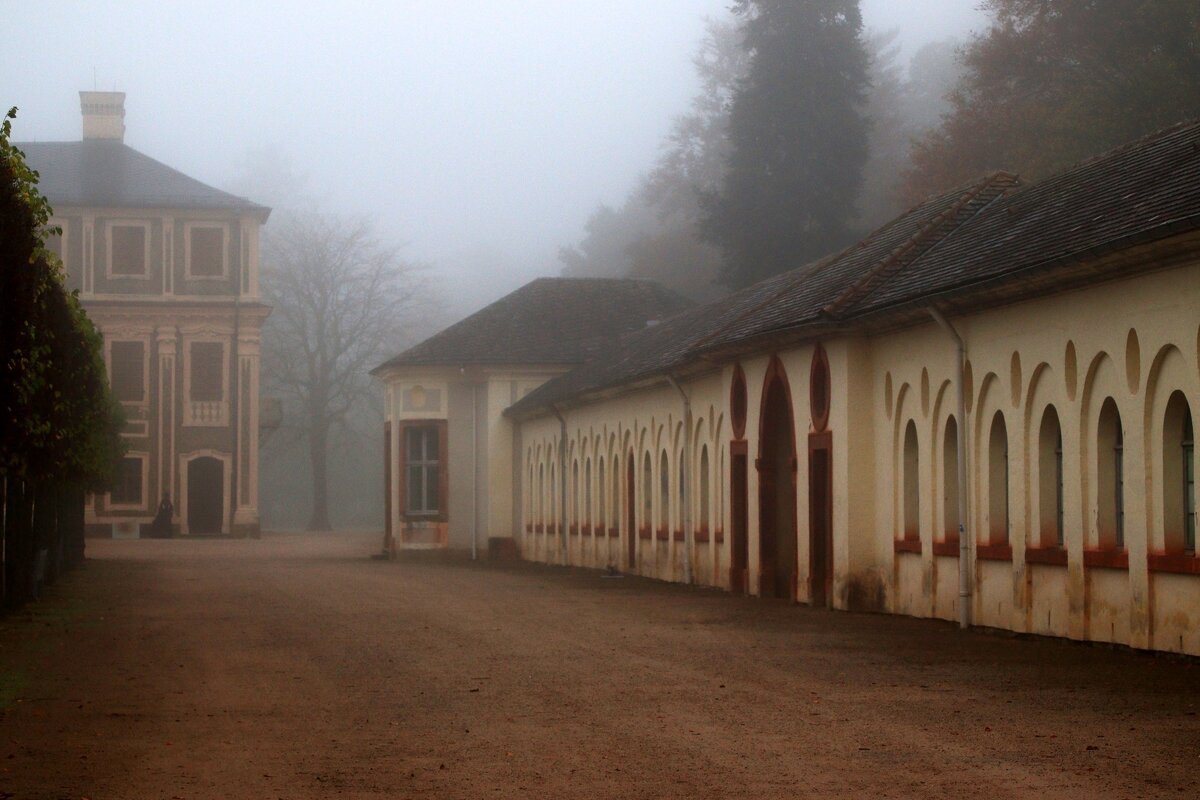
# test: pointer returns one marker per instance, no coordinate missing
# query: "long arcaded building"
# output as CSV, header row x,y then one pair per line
x,y
983,412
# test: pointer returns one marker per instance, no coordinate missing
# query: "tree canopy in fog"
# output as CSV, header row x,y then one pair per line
x,y
655,233
798,139
1052,83
343,301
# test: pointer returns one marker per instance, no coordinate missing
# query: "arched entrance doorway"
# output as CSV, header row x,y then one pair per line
x,y
205,495
777,487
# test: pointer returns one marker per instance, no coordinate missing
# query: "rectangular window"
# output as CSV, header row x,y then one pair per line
x,y
207,380
128,250
127,370
127,489
206,252
422,450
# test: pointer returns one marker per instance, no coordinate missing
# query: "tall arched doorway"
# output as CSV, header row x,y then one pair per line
x,y
777,487
205,495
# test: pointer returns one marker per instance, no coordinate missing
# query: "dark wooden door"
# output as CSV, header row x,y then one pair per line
x,y
206,495
777,495
739,508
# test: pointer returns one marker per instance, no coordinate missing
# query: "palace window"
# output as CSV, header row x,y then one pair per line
x,y
206,251
207,371
1187,446
1110,468
912,514
602,493
950,481
664,482
1050,481
647,493
128,246
127,371
998,481
127,490
423,468
1179,476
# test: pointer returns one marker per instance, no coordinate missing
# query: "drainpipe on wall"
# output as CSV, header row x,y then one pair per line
x,y
964,542
562,491
686,511
474,471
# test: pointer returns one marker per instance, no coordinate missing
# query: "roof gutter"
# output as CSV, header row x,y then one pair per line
x,y
964,541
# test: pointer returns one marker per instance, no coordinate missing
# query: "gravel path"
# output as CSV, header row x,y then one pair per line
x,y
296,667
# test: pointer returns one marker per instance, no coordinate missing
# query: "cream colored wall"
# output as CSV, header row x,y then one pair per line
x,y
1135,341
483,438
647,421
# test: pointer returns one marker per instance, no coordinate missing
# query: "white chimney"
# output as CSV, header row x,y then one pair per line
x,y
103,115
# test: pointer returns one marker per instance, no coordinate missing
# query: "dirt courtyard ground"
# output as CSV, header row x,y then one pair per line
x,y
296,667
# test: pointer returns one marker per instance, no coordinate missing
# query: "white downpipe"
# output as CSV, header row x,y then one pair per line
x,y
964,541
562,493
685,466
474,471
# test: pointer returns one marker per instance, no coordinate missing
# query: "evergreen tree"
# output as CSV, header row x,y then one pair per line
x,y
798,139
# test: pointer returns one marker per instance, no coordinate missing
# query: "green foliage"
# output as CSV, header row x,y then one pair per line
x,y
57,416
798,139
1053,82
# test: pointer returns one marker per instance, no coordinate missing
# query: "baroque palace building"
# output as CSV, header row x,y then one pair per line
x,y
167,268
983,411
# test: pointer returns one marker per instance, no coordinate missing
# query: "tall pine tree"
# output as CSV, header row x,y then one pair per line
x,y
798,139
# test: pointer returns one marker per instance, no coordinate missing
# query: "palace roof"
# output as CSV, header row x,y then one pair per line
x,y
110,174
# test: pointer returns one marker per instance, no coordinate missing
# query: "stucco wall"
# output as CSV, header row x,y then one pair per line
x,y
1135,341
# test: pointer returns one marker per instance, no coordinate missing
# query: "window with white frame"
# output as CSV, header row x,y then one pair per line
x,y
422,468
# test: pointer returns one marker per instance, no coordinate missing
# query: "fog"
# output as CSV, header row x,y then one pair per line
x,y
481,134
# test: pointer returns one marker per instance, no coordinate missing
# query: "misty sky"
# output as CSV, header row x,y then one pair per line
x,y
480,132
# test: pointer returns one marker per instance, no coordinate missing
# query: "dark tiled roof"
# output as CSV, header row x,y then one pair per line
x,y
783,300
110,173
991,232
561,321
1145,190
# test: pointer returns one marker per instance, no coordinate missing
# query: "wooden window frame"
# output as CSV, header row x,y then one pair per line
x,y
144,457
442,513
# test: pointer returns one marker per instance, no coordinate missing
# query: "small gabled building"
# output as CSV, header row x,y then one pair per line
x,y
450,453
167,268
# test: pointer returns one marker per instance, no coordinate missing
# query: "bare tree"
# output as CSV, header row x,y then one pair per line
x,y
342,302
